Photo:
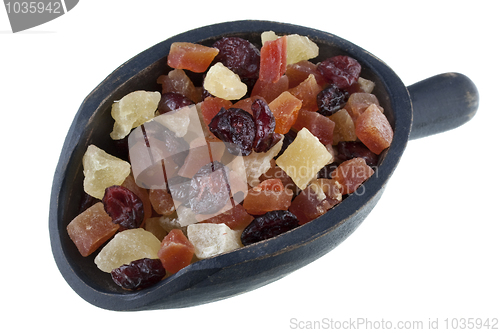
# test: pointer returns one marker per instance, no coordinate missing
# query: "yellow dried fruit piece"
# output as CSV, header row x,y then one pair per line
x,y
221,82
300,48
344,127
127,246
102,170
303,158
133,110
210,239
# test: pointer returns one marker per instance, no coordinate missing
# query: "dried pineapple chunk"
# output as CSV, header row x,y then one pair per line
x,y
224,83
303,158
133,110
102,170
127,246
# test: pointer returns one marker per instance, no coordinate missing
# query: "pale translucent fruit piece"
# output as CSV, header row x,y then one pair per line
x,y
127,246
303,158
221,82
365,85
257,164
298,47
178,120
102,170
211,239
185,216
133,110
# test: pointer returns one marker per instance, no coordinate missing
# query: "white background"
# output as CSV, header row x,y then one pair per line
x,y
429,250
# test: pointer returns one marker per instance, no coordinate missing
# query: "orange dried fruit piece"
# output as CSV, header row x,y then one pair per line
x,y
221,82
275,172
285,109
90,229
307,91
176,251
127,246
303,158
319,125
374,130
358,102
344,127
267,196
273,60
316,199
102,170
190,56
351,174
177,81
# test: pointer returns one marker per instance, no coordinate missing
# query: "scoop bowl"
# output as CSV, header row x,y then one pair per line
x,y
434,105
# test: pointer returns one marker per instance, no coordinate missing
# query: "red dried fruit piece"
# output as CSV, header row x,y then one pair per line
x,y
315,200
275,172
299,71
269,90
172,101
264,126
246,103
139,274
177,81
210,188
307,92
190,56
236,128
374,130
351,174
240,56
268,226
358,102
235,218
211,106
319,125
91,228
201,152
285,109
162,201
267,196
176,251
124,206
273,60
341,70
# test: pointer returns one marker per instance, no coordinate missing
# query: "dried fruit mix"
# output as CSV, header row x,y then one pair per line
x,y
268,142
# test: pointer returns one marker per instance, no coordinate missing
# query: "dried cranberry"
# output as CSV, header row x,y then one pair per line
x,y
124,206
140,273
351,149
268,226
331,99
236,128
340,70
264,126
172,101
210,188
240,56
